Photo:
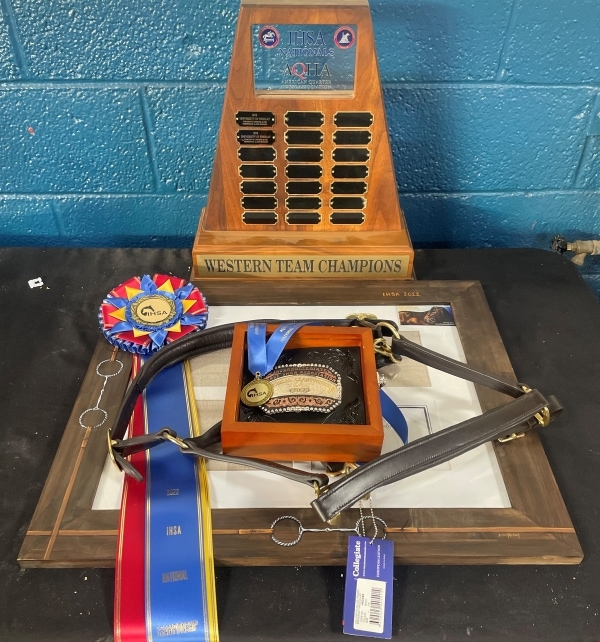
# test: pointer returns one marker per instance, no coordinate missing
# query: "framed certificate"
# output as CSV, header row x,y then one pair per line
x,y
498,504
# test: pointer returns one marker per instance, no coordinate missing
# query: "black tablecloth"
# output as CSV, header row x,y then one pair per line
x,y
550,323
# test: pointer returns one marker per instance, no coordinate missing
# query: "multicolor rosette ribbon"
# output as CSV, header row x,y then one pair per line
x,y
145,313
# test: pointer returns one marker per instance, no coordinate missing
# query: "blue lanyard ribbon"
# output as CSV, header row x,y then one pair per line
x,y
263,354
393,415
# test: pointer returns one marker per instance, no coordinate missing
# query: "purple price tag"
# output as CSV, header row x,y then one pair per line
x,y
369,587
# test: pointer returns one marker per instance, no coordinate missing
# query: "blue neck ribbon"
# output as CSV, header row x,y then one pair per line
x,y
263,354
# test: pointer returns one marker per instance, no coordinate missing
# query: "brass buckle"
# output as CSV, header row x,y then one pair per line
x,y
175,440
543,416
111,454
346,469
319,490
511,437
381,347
390,327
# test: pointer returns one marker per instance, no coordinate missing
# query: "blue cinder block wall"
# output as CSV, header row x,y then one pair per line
x,y
109,111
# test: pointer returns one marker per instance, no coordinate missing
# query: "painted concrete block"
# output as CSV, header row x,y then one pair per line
x,y
463,138
8,64
501,220
589,172
128,221
594,126
25,219
184,129
156,39
554,42
448,40
72,140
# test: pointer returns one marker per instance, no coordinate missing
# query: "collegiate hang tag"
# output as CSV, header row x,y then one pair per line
x,y
369,587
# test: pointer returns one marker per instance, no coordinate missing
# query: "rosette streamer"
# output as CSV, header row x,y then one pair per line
x,y
145,313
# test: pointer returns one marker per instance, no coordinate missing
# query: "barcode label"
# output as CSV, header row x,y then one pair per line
x,y
369,590
369,605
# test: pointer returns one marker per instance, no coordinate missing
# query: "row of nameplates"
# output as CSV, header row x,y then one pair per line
x,y
303,152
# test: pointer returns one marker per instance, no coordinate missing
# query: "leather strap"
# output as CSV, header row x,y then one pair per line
x,y
528,410
431,450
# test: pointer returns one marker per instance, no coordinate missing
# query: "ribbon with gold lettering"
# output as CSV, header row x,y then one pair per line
x,y
177,582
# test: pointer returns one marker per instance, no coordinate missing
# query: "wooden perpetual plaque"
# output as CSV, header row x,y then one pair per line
x,y
303,182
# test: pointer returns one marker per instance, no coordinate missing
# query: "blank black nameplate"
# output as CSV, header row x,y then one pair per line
x,y
304,119
348,187
259,203
259,187
303,171
351,155
303,218
353,119
304,137
259,218
301,155
303,187
256,154
258,171
303,203
352,137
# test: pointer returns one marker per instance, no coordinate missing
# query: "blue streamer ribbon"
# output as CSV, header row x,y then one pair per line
x,y
178,584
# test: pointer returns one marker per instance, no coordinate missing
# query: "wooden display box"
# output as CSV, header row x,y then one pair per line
x,y
291,440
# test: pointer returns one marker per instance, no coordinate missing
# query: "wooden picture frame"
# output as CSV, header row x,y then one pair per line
x,y
536,529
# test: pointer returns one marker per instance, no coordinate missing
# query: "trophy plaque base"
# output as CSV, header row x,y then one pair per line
x,y
227,263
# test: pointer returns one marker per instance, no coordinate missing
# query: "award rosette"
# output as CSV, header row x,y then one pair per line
x,y
145,313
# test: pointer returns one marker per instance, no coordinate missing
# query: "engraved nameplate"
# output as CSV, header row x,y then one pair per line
x,y
266,266
255,137
255,118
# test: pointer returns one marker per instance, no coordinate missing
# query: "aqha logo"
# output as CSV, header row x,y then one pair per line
x,y
268,37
